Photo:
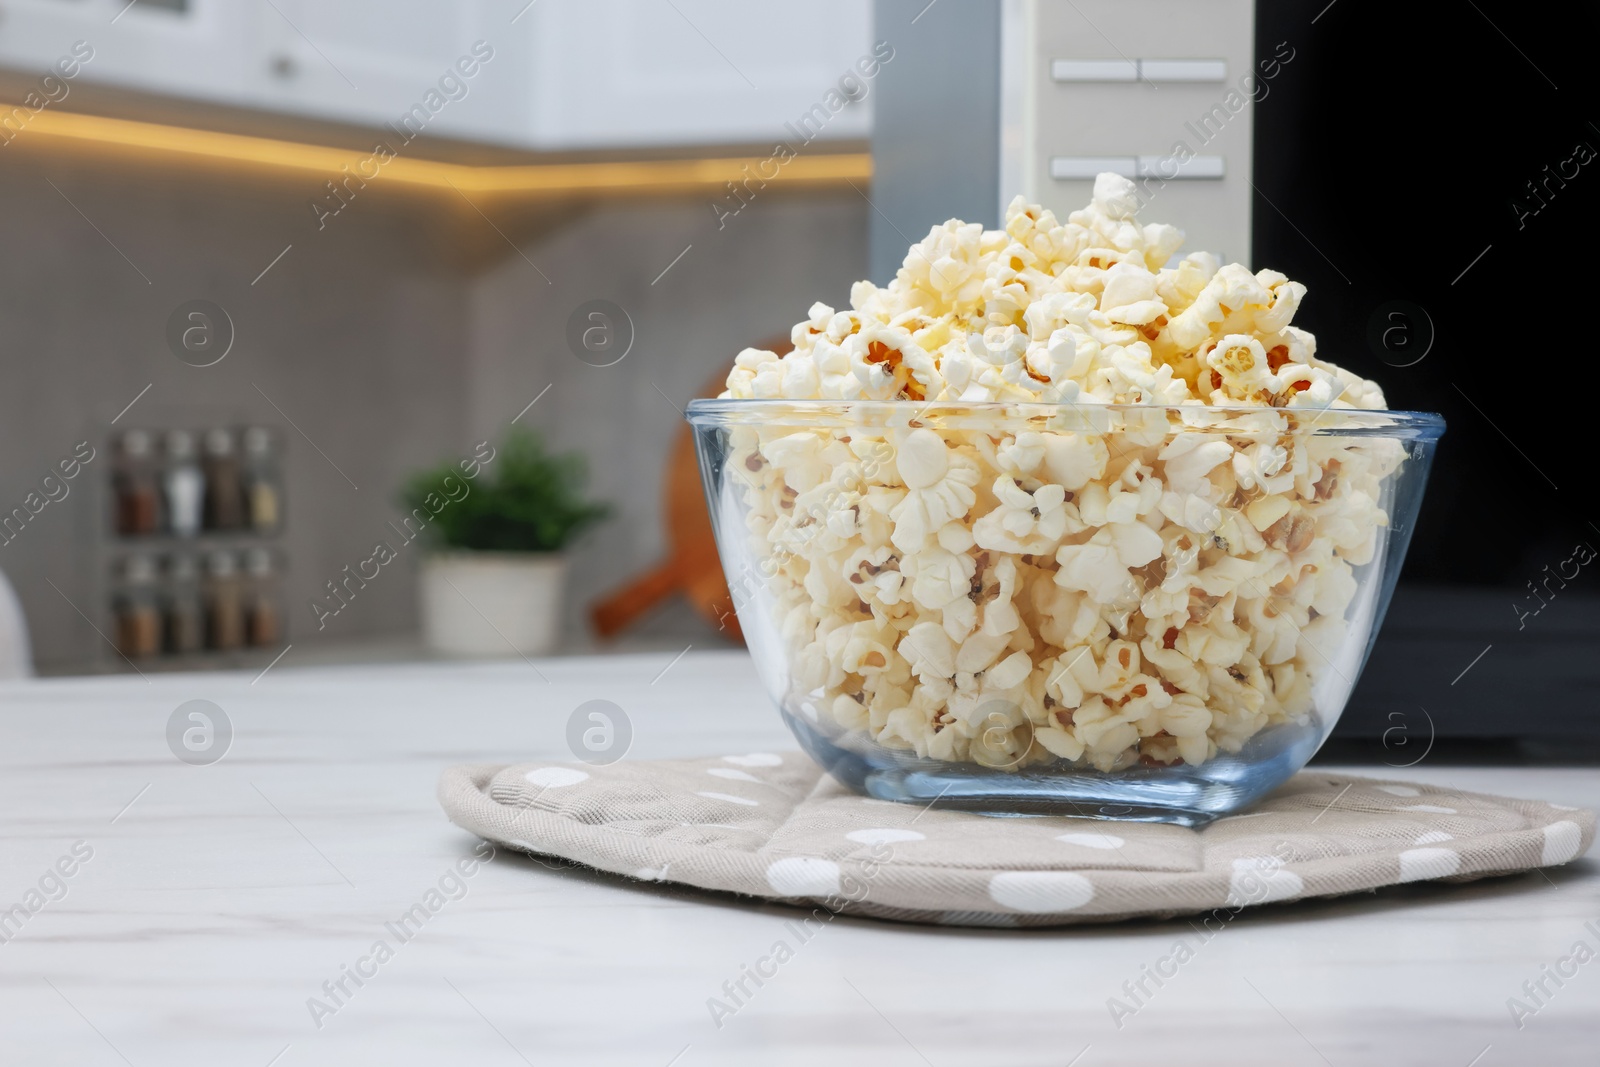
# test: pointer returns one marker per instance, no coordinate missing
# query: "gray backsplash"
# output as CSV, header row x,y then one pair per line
x,y
384,343
733,288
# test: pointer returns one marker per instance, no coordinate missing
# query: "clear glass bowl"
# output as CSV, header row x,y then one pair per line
x,y
1151,613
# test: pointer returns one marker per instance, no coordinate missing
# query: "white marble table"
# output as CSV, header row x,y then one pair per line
x,y
223,897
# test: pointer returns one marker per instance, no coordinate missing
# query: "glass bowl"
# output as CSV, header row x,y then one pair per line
x,y
1127,612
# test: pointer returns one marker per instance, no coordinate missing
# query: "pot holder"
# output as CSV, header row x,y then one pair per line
x,y
775,826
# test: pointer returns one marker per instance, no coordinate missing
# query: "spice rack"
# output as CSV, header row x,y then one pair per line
x,y
196,520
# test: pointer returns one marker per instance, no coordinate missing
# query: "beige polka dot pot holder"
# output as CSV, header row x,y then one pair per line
x,y
775,826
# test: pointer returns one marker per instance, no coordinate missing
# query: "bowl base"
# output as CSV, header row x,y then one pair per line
x,y
1181,795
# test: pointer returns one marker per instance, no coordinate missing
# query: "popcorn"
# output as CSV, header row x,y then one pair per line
x,y
1151,576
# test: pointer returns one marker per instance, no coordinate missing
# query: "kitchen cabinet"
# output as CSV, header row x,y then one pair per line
x,y
555,74
193,48
440,67
619,72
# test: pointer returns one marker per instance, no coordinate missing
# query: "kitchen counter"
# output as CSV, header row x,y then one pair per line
x,y
215,901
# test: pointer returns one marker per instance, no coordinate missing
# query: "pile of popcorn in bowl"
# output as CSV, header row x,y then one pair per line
x,y
1053,499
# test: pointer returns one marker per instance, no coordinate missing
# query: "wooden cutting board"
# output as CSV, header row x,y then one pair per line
x,y
692,567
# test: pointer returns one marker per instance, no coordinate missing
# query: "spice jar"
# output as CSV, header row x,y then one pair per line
x,y
185,611
224,496
262,625
183,485
224,602
138,498
263,494
138,616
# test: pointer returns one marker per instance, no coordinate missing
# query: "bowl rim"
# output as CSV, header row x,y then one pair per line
x,y
1410,425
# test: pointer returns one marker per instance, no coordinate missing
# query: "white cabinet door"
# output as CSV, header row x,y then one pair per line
x,y
422,64
183,47
638,72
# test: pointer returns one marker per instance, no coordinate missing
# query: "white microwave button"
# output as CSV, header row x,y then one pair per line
x,y
1169,169
1095,70
1084,168
1183,70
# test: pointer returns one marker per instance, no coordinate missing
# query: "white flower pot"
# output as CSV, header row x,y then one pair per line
x,y
491,605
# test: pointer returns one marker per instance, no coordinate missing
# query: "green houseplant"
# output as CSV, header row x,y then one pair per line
x,y
496,527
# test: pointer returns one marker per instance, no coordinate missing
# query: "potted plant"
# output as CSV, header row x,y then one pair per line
x,y
492,577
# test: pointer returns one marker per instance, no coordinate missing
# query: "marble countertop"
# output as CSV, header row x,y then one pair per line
x,y
190,913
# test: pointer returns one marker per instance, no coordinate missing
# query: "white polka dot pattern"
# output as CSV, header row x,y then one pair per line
x,y
1562,841
884,835
1261,880
755,759
556,777
730,798
1092,839
1421,864
729,772
804,876
1040,892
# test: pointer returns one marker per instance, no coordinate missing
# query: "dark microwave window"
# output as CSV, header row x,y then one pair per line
x,y
1431,174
